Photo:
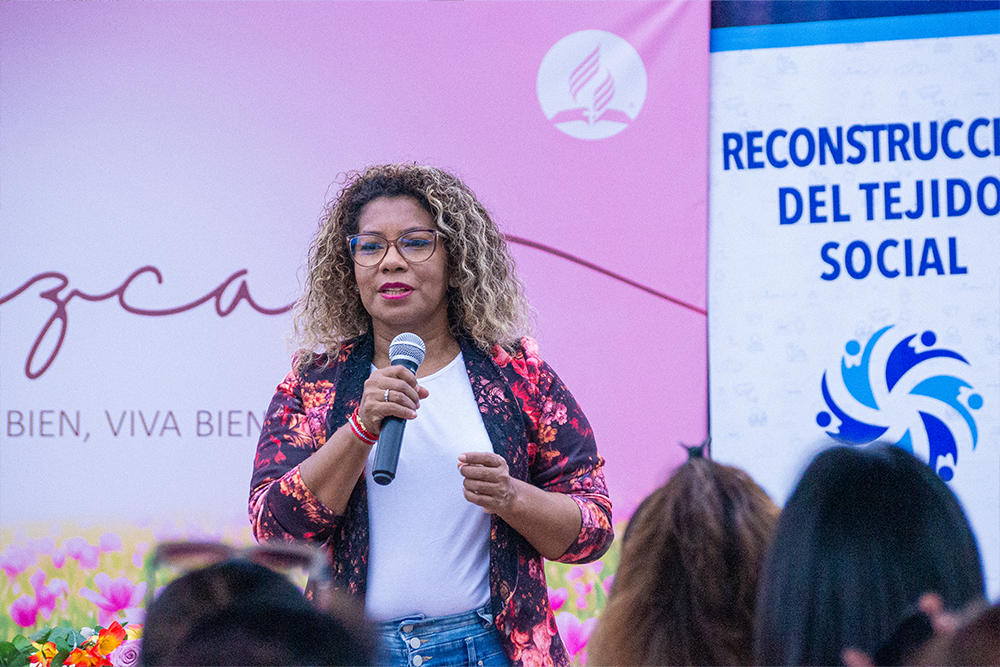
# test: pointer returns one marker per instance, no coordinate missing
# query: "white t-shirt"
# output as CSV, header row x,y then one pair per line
x,y
429,546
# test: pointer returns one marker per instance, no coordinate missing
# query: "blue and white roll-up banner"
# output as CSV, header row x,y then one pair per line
x,y
854,254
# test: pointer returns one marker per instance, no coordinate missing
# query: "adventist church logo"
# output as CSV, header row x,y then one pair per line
x,y
592,84
908,392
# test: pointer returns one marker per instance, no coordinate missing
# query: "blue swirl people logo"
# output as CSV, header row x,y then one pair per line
x,y
908,388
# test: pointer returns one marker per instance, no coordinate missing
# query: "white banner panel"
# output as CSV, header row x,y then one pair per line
x,y
855,249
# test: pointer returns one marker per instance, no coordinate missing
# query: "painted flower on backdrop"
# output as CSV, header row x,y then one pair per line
x,y
110,543
114,596
557,598
46,594
139,555
85,553
16,559
24,611
575,633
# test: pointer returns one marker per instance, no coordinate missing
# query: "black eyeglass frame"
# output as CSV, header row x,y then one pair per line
x,y
167,553
392,242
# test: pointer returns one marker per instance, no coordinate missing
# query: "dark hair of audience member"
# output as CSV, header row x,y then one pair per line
x,y
227,594
268,635
686,584
865,533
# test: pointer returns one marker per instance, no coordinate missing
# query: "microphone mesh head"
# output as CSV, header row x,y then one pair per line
x,y
407,346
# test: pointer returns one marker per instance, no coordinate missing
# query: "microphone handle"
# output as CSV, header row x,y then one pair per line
x,y
387,450
390,438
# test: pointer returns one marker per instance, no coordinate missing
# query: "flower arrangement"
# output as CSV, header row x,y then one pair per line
x,y
113,646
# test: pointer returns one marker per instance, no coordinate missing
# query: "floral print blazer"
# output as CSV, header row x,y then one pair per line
x,y
531,419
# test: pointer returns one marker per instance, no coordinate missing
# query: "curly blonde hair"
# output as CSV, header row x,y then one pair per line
x,y
485,297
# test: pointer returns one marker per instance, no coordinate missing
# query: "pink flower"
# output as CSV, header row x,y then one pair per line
x,y
59,558
581,603
557,598
90,557
45,599
607,583
597,566
24,611
37,578
110,542
59,587
16,559
575,573
74,546
126,655
138,557
575,633
115,595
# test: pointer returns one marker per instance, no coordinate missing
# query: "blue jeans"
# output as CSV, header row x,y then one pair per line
x,y
469,638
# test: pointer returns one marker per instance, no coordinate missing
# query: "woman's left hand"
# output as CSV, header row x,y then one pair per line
x,y
487,481
549,521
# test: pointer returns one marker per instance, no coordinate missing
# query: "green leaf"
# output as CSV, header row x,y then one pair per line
x,y
11,656
21,643
41,636
65,639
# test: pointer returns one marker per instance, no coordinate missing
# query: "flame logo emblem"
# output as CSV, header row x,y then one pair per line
x,y
592,84
908,393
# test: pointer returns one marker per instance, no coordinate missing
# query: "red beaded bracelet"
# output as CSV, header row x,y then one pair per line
x,y
359,429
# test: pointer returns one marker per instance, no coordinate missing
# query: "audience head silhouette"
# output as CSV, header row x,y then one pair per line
x,y
864,535
241,613
686,584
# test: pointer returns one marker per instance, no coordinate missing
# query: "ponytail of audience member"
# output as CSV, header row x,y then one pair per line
x,y
686,584
865,533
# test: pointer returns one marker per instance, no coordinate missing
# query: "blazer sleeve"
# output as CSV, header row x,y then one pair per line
x,y
281,506
562,454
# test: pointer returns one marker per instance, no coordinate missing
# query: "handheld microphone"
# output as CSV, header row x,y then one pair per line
x,y
406,350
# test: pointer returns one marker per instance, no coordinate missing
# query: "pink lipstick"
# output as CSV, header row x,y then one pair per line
x,y
395,291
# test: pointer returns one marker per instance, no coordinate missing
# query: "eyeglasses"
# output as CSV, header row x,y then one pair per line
x,y
414,246
301,563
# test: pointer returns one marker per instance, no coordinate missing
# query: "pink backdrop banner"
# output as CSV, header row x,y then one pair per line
x,y
165,165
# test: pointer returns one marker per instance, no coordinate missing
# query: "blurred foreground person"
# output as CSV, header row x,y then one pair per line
x,y
237,611
685,588
866,533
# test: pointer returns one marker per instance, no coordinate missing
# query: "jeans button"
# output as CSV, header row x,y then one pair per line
x,y
407,628
418,660
414,643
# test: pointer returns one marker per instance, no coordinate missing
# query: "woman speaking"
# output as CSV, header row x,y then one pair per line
x,y
498,467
